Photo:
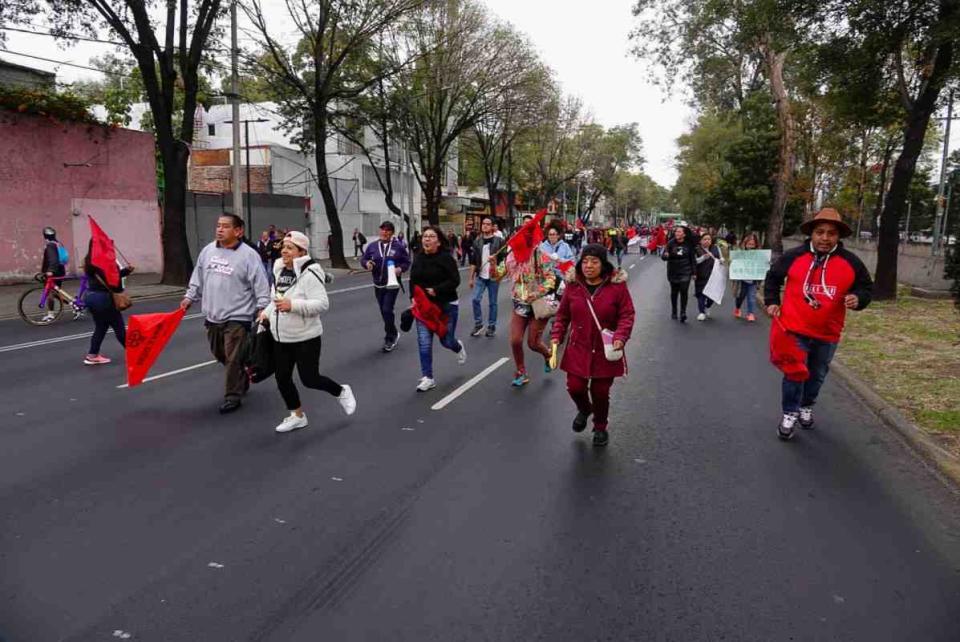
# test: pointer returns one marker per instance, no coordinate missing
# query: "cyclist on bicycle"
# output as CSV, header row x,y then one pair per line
x,y
53,263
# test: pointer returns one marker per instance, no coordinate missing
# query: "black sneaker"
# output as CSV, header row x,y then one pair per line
x,y
491,332
580,421
600,438
683,318
477,331
389,346
673,316
230,405
806,418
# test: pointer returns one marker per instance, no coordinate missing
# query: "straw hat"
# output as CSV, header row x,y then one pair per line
x,y
827,215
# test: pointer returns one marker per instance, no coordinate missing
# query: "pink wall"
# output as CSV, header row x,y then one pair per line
x,y
110,174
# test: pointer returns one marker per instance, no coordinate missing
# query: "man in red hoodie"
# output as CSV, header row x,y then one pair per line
x,y
823,281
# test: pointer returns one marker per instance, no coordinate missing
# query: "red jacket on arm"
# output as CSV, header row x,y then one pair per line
x,y
583,355
812,303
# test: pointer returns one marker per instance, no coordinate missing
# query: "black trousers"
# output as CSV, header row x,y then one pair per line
x,y
306,356
681,290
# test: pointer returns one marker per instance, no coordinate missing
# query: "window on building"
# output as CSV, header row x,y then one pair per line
x,y
212,129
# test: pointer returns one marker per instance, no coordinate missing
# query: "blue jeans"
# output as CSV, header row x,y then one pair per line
x,y
268,268
449,341
386,301
105,315
492,288
748,293
704,303
797,394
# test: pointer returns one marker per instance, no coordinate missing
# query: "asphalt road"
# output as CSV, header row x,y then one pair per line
x,y
143,514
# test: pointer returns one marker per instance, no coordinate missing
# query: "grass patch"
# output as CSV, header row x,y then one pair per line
x,y
909,351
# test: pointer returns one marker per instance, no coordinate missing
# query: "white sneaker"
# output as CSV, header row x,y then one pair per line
x,y
462,355
785,429
48,317
426,383
347,401
293,422
701,317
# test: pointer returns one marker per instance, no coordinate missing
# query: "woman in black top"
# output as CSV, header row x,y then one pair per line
x,y
99,300
435,272
681,262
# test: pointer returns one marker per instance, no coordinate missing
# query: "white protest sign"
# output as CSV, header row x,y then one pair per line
x,y
749,265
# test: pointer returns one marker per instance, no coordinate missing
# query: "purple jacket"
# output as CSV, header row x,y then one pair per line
x,y
395,251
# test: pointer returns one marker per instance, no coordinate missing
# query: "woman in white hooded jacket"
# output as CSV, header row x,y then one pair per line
x,y
293,316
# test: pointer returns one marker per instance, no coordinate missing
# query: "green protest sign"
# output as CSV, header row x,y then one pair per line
x,y
749,265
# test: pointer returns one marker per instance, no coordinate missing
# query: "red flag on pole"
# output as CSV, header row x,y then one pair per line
x,y
785,354
527,238
565,265
103,255
429,313
147,334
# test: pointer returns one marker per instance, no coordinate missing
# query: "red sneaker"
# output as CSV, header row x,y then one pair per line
x,y
736,313
751,318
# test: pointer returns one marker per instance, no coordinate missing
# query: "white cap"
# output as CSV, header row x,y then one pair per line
x,y
299,239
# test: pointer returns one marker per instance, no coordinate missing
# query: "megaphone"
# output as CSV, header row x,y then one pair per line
x,y
392,282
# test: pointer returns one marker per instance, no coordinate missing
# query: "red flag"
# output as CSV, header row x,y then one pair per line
x,y
579,224
527,238
147,334
103,255
565,265
785,354
429,313
631,232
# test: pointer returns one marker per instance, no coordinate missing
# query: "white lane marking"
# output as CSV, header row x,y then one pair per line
x,y
215,565
173,372
633,265
70,337
453,396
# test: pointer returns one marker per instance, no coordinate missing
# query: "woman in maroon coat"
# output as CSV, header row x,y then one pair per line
x,y
593,281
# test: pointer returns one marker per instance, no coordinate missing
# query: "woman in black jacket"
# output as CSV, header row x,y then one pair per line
x,y
707,255
435,272
99,300
681,263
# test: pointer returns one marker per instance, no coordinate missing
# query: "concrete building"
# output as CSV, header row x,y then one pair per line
x,y
13,75
277,166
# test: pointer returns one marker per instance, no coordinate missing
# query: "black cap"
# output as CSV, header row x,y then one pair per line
x,y
387,225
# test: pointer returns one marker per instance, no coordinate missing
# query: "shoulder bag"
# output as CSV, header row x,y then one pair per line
x,y
611,353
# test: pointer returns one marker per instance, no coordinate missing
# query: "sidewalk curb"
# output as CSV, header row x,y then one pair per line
x,y
135,297
942,461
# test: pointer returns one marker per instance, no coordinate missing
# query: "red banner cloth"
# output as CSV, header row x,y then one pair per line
x,y
565,265
631,232
429,313
785,354
103,255
528,237
147,334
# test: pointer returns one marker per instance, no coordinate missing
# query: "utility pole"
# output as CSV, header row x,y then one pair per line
x,y
246,136
235,109
937,222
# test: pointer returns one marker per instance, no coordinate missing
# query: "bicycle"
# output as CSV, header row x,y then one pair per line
x,y
43,305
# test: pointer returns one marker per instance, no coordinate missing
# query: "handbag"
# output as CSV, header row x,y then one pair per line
x,y
545,307
121,300
611,353
257,357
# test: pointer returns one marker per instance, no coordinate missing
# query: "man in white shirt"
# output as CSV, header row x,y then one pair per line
x,y
483,266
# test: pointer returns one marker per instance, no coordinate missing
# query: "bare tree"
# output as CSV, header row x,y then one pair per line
x,y
333,63
464,63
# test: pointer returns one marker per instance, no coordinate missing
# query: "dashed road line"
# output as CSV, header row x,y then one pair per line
x,y
453,396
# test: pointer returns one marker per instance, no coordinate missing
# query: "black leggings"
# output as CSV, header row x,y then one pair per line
x,y
681,290
306,356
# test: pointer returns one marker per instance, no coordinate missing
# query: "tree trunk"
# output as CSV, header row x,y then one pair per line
x,y
431,194
915,128
788,136
337,258
177,264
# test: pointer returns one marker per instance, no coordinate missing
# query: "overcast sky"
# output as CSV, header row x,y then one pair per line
x,y
585,44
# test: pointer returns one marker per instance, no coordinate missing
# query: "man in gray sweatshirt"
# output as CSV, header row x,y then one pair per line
x,y
230,280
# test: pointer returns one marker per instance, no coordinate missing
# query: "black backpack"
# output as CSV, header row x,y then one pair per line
x,y
256,354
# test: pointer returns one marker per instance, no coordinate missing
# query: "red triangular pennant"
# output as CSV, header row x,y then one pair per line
x,y
147,334
527,238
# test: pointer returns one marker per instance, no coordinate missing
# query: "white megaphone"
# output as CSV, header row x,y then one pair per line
x,y
392,282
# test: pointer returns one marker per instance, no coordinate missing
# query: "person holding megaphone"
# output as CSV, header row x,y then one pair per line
x,y
387,259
